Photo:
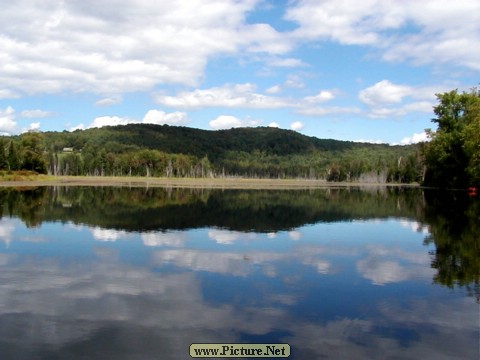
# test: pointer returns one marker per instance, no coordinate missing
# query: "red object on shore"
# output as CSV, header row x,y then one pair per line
x,y
472,191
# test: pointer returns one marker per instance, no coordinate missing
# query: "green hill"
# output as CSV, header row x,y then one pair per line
x,y
174,139
162,150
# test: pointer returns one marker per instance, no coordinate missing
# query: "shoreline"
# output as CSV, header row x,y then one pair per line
x,y
217,183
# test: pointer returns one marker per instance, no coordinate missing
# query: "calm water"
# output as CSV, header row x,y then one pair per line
x,y
118,273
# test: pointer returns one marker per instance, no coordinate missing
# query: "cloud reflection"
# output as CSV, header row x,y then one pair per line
x,y
384,265
72,310
104,305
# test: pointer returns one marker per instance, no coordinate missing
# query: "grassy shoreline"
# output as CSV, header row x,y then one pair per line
x,y
227,183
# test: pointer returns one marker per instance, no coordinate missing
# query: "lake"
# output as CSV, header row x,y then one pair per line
x,y
142,273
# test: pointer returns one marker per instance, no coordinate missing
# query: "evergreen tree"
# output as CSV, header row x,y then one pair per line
x,y
3,156
13,159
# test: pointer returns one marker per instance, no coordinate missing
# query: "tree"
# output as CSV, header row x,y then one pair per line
x,y
32,151
3,156
452,157
13,159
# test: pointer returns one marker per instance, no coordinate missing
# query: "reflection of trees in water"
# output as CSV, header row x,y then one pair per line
x,y
454,221
136,209
452,217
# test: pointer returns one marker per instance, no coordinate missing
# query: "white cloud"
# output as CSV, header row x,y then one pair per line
x,y
8,94
35,126
297,125
109,101
308,109
78,127
322,96
294,82
229,121
274,89
424,32
289,62
387,99
371,141
122,47
36,113
159,117
151,117
233,96
8,125
109,121
415,138
384,92
273,125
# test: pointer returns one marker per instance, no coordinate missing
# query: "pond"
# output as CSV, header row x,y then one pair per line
x,y
142,273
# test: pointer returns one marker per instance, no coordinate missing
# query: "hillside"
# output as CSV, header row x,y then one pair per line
x,y
162,150
213,144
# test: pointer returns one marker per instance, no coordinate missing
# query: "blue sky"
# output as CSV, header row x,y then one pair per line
x,y
342,69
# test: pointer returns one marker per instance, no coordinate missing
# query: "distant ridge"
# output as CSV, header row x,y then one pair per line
x,y
211,143
261,152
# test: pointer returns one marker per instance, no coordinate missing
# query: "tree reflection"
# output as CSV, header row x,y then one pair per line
x,y
454,221
452,217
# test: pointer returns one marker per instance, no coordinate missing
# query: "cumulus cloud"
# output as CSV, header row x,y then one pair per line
x,y
109,121
117,48
425,31
387,99
160,118
151,117
229,121
225,122
322,96
35,126
232,96
384,92
415,138
8,125
297,125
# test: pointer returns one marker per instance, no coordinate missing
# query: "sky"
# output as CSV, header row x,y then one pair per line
x,y
340,69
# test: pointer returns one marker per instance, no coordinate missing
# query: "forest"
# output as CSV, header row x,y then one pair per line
x,y
169,151
451,159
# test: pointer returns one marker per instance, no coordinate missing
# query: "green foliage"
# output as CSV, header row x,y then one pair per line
x,y
454,224
154,150
452,157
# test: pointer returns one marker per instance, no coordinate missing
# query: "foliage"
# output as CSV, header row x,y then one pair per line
x,y
454,220
154,150
452,157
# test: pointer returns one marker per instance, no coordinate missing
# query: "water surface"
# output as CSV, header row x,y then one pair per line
x,y
142,273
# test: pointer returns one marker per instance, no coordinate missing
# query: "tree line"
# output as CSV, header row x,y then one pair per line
x,y
37,152
451,159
